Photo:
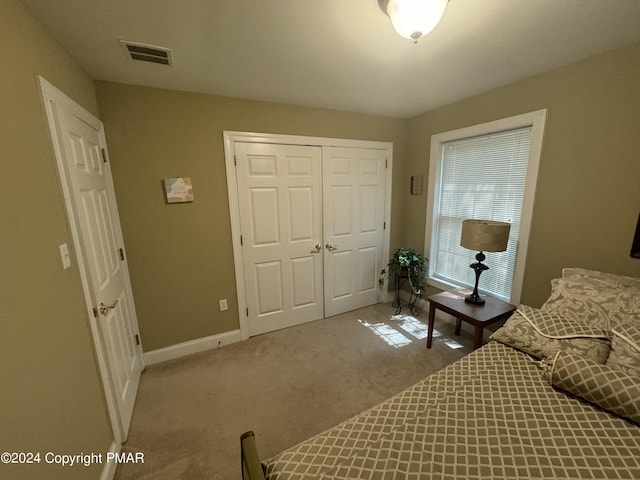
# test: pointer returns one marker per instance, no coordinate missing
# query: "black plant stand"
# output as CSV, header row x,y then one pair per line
x,y
399,281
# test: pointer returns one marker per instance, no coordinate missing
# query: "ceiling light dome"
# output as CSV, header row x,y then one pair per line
x,y
413,19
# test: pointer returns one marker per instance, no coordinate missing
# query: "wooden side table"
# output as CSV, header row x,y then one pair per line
x,y
452,302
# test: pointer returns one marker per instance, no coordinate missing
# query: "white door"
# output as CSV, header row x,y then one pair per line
x,y
312,223
80,148
280,196
354,195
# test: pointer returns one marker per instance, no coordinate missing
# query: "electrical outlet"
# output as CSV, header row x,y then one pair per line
x,y
223,305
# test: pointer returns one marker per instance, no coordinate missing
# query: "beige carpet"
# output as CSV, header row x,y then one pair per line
x,y
285,386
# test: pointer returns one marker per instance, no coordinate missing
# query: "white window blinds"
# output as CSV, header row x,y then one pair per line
x,y
481,178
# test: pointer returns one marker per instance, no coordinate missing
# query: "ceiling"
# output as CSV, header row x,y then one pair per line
x,y
337,54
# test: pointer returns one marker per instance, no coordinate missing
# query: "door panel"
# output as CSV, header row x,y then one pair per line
x,y
114,322
280,196
264,216
341,205
354,186
304,287
367,275
369,218
269,285
101,246
301,217
340,282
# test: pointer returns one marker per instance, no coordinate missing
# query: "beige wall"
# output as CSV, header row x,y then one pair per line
x,y
180,255
51,397
588,194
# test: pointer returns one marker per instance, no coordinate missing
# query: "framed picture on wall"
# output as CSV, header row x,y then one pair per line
x,y
178,189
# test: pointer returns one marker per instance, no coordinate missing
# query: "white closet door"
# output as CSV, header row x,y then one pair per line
x,y
280,200
353,206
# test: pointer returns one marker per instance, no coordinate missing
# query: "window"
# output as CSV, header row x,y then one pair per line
x,y
487,172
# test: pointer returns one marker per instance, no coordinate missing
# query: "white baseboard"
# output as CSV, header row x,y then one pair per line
x,y
193,346
109,469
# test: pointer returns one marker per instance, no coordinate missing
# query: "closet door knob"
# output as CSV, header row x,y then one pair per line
x,y
331,247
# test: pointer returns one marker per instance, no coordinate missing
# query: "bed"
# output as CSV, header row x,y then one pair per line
x,y
554,394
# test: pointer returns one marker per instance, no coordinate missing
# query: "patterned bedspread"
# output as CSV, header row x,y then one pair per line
x,y
491,415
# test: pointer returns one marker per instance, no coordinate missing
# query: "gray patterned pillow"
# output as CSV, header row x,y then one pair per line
x,y
625,349
599,299
542,334
609,388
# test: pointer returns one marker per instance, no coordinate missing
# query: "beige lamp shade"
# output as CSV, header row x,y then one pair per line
x,y
485,235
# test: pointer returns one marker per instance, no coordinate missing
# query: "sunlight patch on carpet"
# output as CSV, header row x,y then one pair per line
x,y
451,343
412,326
387,333
395,335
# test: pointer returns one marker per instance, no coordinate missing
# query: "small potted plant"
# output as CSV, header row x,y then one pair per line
x,y
408,263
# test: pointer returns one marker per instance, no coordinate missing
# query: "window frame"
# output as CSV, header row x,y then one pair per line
x,y
536,120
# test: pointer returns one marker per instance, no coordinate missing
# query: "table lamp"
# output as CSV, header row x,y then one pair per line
x,y
483,236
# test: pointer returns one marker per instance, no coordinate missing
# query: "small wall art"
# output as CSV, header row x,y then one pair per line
x,y
178,189
416,184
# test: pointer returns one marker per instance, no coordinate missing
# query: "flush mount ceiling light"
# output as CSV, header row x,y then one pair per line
x,y
413,19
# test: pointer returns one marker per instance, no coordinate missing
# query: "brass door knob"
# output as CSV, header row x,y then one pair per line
x,y
104,308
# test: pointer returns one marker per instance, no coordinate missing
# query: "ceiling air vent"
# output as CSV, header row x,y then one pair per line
x,y
147,53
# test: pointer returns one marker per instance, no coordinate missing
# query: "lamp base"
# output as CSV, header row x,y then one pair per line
x,y
478,268
474,298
